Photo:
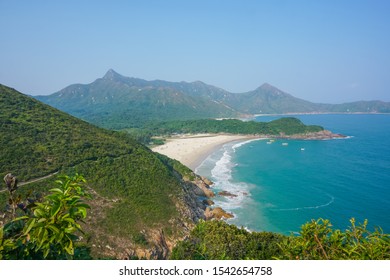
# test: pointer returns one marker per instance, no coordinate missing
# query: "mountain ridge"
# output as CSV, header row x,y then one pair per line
x,y
116,101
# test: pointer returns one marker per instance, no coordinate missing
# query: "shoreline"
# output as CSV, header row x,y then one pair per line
x,y
192,150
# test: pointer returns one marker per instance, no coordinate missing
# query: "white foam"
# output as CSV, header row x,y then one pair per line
x,y
235,146
223,180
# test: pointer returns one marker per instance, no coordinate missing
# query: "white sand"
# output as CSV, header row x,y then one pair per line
x,y
192,150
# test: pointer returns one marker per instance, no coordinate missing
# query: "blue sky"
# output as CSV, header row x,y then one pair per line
x,y
322,51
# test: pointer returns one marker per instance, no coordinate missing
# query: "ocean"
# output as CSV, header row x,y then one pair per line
x,y
278,187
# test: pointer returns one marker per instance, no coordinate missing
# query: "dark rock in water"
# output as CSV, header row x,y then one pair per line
x,y
226,193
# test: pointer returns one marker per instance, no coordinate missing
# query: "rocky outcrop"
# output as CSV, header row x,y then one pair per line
x,y
203,187
207,181
320,135
217,213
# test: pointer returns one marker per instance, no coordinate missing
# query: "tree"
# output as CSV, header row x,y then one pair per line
x,y
49,228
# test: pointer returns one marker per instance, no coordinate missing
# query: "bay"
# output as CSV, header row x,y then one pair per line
x,y
279,187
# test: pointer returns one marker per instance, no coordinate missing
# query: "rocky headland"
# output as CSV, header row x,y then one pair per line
x,y
320,135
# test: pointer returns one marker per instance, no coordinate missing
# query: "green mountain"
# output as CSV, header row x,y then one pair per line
x,y
359,107
141,205
118,102
267,99
115,101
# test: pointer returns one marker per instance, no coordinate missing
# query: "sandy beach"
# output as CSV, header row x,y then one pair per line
x,y
192,150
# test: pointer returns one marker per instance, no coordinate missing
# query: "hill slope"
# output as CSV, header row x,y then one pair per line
x,y
140,205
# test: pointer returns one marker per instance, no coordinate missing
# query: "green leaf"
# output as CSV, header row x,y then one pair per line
x,y
20,218
53,228
56,190
29,226
39,212
56,208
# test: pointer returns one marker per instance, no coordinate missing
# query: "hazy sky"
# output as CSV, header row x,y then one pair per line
x,y
322,51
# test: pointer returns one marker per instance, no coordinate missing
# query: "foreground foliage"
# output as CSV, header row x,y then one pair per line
x,y
316,241
217,240
50,228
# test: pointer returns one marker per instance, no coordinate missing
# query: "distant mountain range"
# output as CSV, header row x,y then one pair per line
x,y
115,101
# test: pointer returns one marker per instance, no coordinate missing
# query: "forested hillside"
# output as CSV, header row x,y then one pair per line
x,y
286,126
137,196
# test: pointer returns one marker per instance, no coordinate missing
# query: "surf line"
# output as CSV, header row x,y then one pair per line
x,y
308,207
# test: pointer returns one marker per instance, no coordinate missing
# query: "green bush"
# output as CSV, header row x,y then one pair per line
x,y
218,240
318,241
49,228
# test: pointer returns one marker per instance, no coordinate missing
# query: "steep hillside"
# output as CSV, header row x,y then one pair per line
x,y
115,101
141,207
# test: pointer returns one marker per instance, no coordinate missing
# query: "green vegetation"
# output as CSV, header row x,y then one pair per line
x,y
138,188
48,228
283,125
216,240
37,140
316,241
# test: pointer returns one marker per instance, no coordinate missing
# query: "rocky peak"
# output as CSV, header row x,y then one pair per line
x,y
269,88
111,75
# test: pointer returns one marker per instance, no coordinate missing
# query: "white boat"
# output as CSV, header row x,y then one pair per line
x,y
285,144
302,149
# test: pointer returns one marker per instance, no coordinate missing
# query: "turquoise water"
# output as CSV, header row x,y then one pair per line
x,y
280,187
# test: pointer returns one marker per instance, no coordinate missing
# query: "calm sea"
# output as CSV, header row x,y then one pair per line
x,y
279,187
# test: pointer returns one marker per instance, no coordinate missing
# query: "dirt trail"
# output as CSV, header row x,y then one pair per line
x,y
34,180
